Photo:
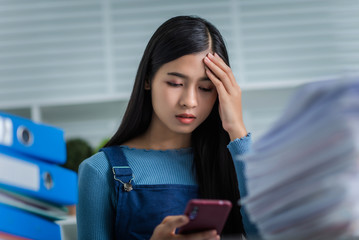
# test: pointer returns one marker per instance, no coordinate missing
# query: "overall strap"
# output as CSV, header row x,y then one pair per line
x,y
122,172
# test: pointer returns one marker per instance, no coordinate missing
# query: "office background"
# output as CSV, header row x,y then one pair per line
x,y
72,63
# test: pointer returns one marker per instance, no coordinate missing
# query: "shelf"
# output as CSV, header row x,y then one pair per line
x,y
65,101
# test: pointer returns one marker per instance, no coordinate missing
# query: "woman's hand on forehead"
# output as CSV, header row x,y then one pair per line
x,y
229,95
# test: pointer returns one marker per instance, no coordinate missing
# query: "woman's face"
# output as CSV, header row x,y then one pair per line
x,y
182,95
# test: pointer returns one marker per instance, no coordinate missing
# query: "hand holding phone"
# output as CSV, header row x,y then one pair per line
x,y
205,214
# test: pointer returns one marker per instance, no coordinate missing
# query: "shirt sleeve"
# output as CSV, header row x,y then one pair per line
x,y
238,148
95,213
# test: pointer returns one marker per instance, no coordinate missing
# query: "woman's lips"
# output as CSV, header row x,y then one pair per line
x,y
185,118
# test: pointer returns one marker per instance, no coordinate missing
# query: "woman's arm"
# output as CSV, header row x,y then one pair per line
x,y
229,95
95,213
237,148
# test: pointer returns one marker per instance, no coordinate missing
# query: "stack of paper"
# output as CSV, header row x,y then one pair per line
x,y
34,189
303,174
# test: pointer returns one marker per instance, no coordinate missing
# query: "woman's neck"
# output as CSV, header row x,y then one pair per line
x,y
157,140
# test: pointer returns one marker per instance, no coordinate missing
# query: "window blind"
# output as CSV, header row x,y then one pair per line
x,y
50,49
298,40
60,49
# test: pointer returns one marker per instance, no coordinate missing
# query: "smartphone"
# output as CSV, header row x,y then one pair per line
x,y
205,214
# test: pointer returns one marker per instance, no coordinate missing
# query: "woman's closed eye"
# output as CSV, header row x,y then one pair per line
x,y
172,84
206,89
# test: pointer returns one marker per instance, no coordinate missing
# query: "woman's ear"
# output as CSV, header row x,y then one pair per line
x,y
147,85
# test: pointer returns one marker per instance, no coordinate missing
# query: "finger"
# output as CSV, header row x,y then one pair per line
x,y
220,62
216,59
173,222
219,73
216,69
221,90
205,235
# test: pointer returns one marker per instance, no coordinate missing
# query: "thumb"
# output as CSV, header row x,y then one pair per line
x,y
173,222
167,228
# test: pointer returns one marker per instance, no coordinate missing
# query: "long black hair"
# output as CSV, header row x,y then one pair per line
x,y
216,176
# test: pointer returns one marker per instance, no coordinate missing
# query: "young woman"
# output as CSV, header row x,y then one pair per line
x,y
182,128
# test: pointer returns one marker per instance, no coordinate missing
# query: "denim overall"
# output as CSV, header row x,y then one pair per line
x,y
140,208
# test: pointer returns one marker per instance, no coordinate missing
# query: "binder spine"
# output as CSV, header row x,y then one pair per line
x,y
49,182
23,224
34,139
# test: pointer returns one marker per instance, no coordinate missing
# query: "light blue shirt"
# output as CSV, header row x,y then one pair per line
x,y
95,210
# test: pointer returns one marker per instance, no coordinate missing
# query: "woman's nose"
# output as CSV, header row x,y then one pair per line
x,y
189,98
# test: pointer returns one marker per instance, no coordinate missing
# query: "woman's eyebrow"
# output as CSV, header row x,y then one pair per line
x,y
177,74
185,77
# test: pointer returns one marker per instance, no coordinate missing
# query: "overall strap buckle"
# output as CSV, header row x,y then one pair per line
x,y
125,173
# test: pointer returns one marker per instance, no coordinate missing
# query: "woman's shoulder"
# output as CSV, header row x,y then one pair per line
x,y
97,162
